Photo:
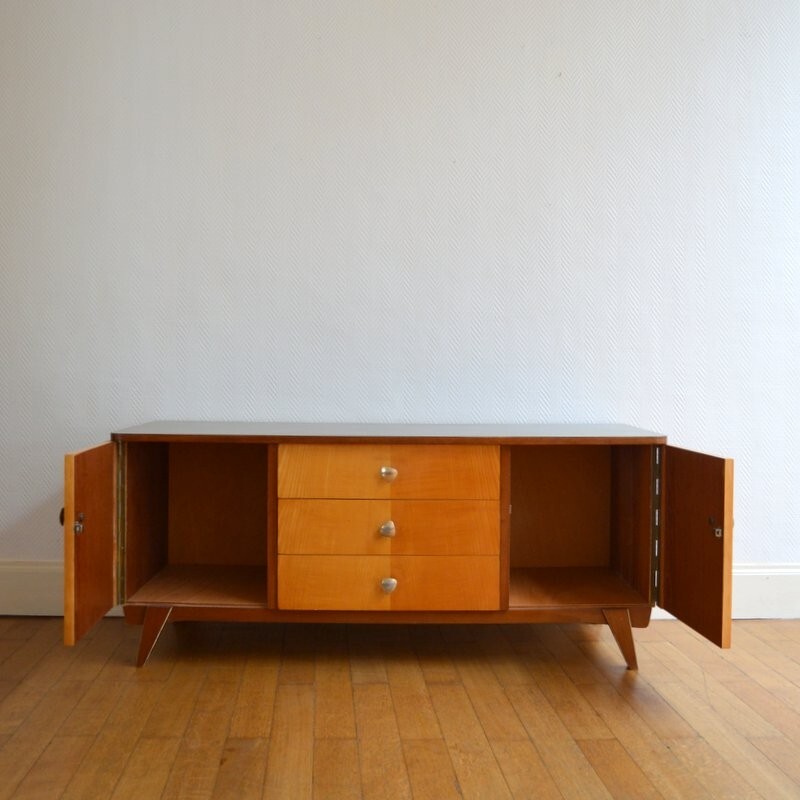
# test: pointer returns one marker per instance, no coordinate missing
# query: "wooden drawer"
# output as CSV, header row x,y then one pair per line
x,y
353,583
422,527
423,471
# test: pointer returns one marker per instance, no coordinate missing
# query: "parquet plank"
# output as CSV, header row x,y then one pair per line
x,y
60,758
413,708
739,754
711,770
644,745
524,770
336,770
290,762
34,733
618,771
378,711
252,713
148,768
430,770
241,770
99,772
489,700
382,767
479,774
170,719
334,713
194,772
563,758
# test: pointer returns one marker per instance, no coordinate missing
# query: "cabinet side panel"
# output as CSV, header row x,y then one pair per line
x,y
632,514
560,506
218,504
89,538
145,516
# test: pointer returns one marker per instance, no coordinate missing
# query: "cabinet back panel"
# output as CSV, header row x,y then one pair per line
x,y
560,498
218,504
146,481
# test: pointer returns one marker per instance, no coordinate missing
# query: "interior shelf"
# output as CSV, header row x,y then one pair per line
x,y
550,587
205,585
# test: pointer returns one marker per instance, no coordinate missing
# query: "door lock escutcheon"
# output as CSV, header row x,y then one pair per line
x,y
77,526
717,530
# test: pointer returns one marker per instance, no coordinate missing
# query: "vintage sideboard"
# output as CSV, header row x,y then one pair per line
x,y
284,522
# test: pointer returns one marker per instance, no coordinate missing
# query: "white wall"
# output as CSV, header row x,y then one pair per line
x,y
451,211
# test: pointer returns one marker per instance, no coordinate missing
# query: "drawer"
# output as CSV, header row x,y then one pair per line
x,y
353,583
389,471
421,527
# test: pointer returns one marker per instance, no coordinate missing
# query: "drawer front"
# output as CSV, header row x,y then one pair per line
x,y
333,583
353,583
421,527
422,471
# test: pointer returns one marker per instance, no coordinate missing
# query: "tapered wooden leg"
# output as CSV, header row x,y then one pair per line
x,y
155,617
619,620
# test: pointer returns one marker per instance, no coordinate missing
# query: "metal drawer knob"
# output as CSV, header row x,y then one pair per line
x,y
387,529
388,474
389,585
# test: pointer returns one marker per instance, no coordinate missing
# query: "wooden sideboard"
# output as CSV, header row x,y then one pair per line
x,y
273,522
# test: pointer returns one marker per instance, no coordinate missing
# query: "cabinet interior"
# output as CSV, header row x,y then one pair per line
x,y
580,525
197,519
195,529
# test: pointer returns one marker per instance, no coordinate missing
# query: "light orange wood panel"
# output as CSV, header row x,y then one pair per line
x,y
424,527
570,586
204,585
332,470
446,471
423,471
218,503
561,506
446,583
333,526
452,527
313,582
89,554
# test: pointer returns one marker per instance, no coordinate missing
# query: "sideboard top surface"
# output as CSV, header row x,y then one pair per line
x,y
499,433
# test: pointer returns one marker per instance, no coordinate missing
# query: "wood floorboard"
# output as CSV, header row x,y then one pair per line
x,y
252,711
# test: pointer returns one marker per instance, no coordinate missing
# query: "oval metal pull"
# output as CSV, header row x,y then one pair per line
x,y
389,585
388,474
388,529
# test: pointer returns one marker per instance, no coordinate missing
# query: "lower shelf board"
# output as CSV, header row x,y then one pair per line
x,y
205,585
549,587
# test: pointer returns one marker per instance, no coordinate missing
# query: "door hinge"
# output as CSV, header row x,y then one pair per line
x,y
656,517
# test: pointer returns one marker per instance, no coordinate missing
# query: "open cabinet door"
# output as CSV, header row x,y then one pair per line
x,y
89,538
697,542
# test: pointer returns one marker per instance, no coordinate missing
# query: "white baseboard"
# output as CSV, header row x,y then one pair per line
x,y
32,588
760,591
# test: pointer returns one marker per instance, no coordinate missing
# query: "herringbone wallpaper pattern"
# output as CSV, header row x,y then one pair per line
x,y
416,211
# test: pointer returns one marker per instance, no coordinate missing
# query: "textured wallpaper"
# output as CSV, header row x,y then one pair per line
x,y
410,211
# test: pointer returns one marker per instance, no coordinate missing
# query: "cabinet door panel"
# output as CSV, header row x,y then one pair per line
x,y
89,538
696,556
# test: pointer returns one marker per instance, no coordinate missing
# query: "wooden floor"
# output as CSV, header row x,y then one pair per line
x,y
290,712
